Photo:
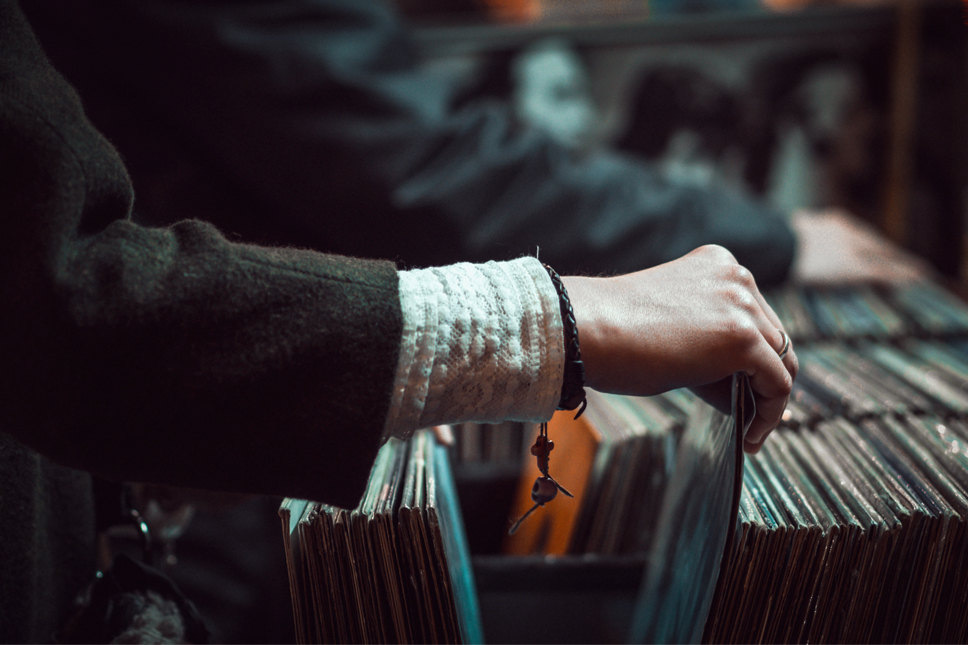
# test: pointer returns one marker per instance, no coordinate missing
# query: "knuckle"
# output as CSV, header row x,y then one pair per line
x,y
716,252
740,297
742,333
740,275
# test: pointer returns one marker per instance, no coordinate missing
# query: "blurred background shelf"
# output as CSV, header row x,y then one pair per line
x,y
467,34
861,106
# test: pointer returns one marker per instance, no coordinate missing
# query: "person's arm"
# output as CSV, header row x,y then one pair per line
x,y
170,354
319,112
485,342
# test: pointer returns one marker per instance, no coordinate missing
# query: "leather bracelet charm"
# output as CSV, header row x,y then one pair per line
x,y
573,383
545,486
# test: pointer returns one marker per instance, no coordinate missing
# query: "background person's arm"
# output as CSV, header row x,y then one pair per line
x,y
313,123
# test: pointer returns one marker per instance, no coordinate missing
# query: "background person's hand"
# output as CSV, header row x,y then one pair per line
x,y
836,248
692,322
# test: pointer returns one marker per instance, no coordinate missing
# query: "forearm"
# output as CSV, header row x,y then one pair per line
x,y
171,354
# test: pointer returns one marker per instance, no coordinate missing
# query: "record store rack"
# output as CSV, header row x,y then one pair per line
x,y
851,526
853,521
854,515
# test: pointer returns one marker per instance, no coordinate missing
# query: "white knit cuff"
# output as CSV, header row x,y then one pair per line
x,y
481,342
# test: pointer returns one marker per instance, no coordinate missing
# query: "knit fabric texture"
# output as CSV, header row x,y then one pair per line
x,y
481,342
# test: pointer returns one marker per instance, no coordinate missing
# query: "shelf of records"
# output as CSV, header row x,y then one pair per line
x,y
853,519
876,312
396,569
850,525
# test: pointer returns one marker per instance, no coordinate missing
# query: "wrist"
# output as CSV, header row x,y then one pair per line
x,y
580,290
573,377
604,352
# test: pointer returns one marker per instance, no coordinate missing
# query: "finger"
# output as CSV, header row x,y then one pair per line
x,y
770,409
768,415
777,337
772,383
772,376
751,448
774,332
791,362
768,311
768,322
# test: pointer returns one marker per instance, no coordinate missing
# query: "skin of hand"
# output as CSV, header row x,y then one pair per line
x,y
692,322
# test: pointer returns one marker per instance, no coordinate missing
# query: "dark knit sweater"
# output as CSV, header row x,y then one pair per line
x,y
167,355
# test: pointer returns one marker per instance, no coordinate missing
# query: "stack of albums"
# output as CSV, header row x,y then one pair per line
x,y
868,311
396,569
848,526
850,532
852,519
852,523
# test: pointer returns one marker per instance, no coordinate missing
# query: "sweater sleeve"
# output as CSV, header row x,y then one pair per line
x,y
172,355
480,343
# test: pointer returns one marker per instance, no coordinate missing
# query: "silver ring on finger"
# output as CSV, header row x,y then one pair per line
x,y
786,345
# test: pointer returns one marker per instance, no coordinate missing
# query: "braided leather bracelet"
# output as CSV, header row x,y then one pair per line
x,y
573,385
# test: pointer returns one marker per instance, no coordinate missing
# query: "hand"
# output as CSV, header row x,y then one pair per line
x,y
835,248
692,322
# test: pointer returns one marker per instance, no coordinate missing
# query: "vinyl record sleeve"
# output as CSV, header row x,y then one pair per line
x,y
697,525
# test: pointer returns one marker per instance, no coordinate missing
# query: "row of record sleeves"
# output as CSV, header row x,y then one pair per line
x,y
850,532
872,350
853,518
396,569
877,312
